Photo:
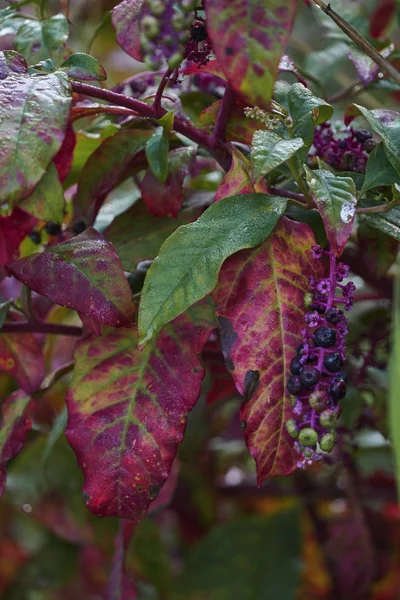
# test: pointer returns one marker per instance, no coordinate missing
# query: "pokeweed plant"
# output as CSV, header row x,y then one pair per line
x,y
255,200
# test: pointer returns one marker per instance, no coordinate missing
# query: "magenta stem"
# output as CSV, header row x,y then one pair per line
x,y
218,135
38,327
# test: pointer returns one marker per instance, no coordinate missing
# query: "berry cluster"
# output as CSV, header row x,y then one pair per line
x,y
348,153
317,381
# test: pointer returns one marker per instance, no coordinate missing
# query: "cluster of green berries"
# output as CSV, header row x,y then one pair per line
x,y
271,120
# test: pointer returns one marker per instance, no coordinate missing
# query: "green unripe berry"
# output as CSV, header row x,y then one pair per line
x,y
308,453
327,442
308,300
157,7
318,400
308,437
179,22
291,428
328,418
150,27
175,60
188,5
151,63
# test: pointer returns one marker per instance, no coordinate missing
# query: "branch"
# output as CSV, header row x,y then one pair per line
x,y
218,135
158,97
38,327
359,41
381,208
287,194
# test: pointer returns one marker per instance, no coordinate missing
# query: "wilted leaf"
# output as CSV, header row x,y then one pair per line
x,y
107,167
13,230
187,266
260,307
238,179
47,199
83,273
124,18
12,63
335,198
28,145
22,358
40,40
15,424
379,170
137,235
269,150
83,67
253,557
165,199
128,410
249,38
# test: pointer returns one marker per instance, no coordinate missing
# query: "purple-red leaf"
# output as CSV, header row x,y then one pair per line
x,y
83,273
239,128
238,179
249,38
21,357
15,424
260,306
124,18
165,199
13,230
127,410
12,63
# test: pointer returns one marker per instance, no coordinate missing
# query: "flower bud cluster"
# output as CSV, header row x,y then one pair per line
x,y
270,119
348,153
317,381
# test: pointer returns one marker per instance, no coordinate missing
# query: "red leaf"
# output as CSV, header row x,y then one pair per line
x,y
13,230
249,39
239,129
83,273
15,424
381,17
165,199
223,386
259,303
64,157
212,67
124,18
238,179
21,357
127,410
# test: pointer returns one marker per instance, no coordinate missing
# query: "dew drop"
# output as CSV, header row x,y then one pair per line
x,y
347,212
313,181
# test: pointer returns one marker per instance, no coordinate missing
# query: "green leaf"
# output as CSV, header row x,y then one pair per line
x,y
378,249
39,40
335,198
83,67
388,222
269,150
47,199
301,104
385,123
254,557
137,235
4,308
187,266
157,154
379,170
394,375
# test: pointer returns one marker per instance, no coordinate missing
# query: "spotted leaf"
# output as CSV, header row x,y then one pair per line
x,y
128,410
259,303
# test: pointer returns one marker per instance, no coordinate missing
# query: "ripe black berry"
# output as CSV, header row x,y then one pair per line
x,y
333,315
325,337
333,362
362,135
318,307
301,350
35,237
294,386
338,389
295,366
309,377
342,375
198,33
53,228
79,226
369,145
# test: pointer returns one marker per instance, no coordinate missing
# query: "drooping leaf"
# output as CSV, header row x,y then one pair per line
x,y
260,307
165,199
378,249
40,40
107,167
379,170
388,222
128,410
124,18
137,235
269,150
33,119
83,67
249,38
385,123
21,357
253,557
238,179
12,62
47,199
394,366
335,198
15,424
187,266
83,273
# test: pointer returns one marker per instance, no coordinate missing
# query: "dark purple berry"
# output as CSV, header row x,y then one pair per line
x,y
338,389
342,375
79,226
333,362
309,377
362,135
294,386
53,228
325,337
333,315
295,366
35,237
198,32
369,145
318,307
